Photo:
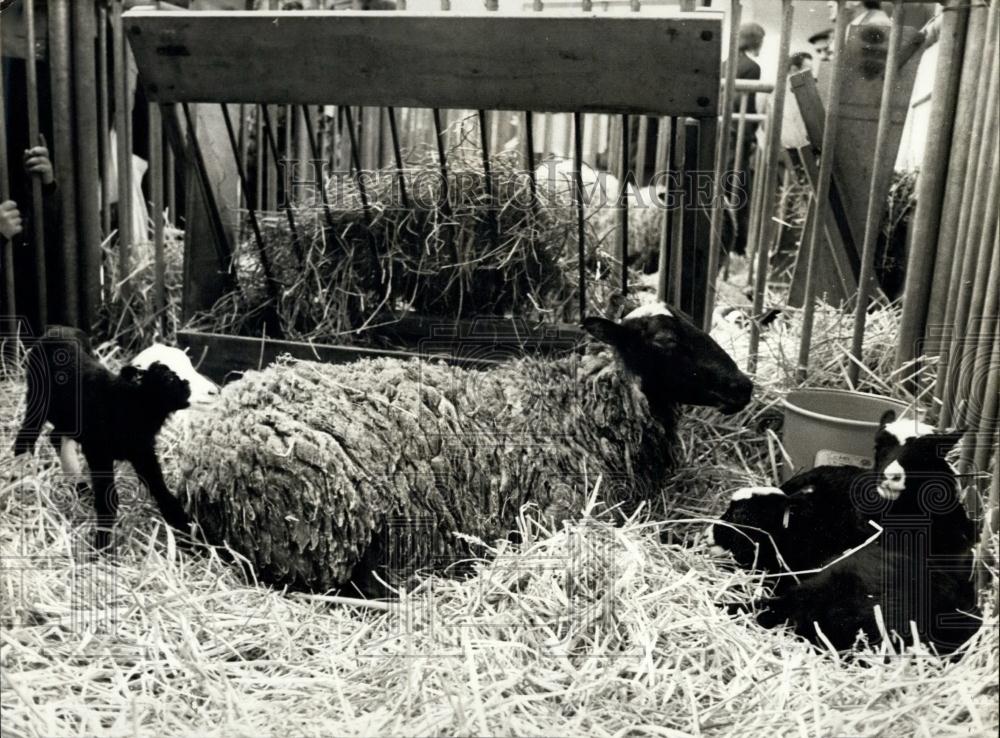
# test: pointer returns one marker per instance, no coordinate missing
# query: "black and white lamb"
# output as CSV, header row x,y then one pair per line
x,y
918,569
112,416
321,473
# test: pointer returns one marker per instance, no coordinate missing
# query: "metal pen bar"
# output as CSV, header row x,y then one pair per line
x,y
935,225
265,260
397,152
37,205
122,148
881,168
88,174
770,171
60,68
317,161
578,197
722,158
156,198
272,144
624,170
7,264
821,203
663,161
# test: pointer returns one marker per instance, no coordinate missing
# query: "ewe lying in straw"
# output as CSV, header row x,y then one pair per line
x,y
304,467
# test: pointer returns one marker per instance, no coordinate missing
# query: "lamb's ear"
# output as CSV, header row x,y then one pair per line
x,y
887,417
607,331
944,442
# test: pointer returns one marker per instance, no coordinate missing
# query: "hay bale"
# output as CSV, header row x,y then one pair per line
x,y
303,464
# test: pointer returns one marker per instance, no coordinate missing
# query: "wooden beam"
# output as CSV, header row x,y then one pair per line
x,y
221,357
525,61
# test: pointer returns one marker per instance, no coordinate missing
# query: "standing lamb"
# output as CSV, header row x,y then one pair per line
x,y
320,473
113,417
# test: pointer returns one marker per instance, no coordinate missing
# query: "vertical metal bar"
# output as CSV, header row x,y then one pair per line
x,y
677,213
821,203
756,203
529,156
397,153
722,158
156,196
7,264
961,144
881,168
975,270
244,142
272,163
287,205
663,157
640,156
484,144
439,136
624,170
123,149
741,132
169,165
104,126
317,161
356,161
265,260
972,194
60,65
261,156
87,159
985,368
37,206
931,183
220,240
777,114
581,245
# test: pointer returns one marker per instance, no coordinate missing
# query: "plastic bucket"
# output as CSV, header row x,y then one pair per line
x,y
832,427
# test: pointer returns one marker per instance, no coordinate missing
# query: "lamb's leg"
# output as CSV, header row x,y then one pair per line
x,y
34,419
102,479
147,467
69,459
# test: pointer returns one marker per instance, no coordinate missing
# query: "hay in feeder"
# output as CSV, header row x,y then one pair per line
x,y
470,248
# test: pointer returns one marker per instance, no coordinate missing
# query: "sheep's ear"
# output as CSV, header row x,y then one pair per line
x,y
607,331
131,373
887,417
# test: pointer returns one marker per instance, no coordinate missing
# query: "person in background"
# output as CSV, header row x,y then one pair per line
x,y
800,62
870,13
36,164
822,45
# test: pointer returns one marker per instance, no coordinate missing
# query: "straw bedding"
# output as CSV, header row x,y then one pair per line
x,y
300,465
584,629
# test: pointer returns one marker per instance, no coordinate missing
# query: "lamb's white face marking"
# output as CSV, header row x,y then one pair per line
x,y
653,308
893,481
69,459
906,428
745,493
203,390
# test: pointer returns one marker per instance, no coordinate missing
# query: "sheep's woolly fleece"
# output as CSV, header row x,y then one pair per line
x,y
304,467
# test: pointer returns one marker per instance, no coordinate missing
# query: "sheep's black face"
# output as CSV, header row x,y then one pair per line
x,y
676,361
751,526
163,388
918,470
